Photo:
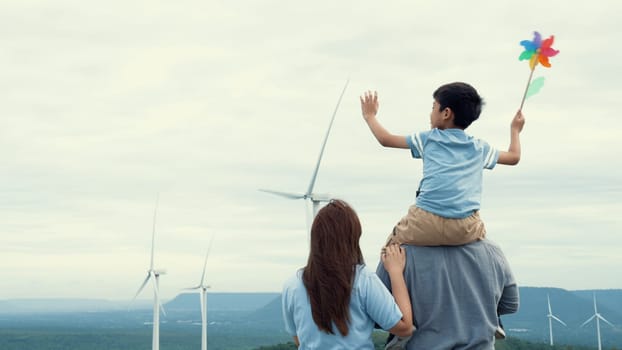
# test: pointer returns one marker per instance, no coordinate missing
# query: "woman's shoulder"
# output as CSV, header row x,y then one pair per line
x,y
294,281
363,275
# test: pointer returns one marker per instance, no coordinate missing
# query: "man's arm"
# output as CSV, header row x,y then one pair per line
x,y
510,300
512,156
369,108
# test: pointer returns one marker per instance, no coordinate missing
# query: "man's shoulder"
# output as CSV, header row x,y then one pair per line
x,y
490,246
484,244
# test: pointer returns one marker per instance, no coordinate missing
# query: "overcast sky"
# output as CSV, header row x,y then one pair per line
x,y
103,106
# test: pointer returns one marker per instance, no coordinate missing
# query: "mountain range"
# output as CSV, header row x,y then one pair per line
x,y
261,312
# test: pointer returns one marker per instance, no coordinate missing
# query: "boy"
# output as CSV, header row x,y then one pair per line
x,y
448,199
447,207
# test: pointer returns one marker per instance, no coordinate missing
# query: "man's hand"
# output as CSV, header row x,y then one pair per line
x,y
369,104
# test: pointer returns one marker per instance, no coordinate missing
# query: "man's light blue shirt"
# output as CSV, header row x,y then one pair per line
x,y
370,302
453,164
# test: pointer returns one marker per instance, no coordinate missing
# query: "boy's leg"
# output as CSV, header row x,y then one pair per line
x,y
463,231
418,227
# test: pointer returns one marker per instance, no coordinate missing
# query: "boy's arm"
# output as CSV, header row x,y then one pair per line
x,y
369,108
512,156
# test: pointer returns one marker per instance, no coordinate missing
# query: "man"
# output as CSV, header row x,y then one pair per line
x,y
457,293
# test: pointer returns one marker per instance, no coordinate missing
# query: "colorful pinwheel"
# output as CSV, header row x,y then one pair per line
x,y
536,51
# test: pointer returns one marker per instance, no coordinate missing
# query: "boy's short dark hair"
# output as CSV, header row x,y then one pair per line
x,y
462,99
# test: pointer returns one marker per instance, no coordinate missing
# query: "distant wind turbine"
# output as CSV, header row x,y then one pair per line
x,y
310,196
551,318
154,275
202,288
598,317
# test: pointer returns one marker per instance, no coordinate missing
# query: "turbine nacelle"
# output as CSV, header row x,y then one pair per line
x,y
319,197
201,287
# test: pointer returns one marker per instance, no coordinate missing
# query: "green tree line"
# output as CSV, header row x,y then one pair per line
x,y
507,344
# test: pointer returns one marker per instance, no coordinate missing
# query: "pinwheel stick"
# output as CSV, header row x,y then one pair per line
x,y
522,102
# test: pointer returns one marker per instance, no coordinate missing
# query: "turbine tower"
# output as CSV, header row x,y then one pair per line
x,y
310,196
598,317
202,288
154,275
551,318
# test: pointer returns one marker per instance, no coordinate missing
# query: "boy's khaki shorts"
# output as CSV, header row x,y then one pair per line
x,y
420,227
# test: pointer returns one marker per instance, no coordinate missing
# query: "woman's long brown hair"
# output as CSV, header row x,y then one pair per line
x,y
330,270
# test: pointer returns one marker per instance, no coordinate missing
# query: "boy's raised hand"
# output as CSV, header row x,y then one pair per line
x,y
369,104
518,121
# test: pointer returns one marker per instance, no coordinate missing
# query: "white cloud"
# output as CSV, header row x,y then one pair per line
x,y
206,102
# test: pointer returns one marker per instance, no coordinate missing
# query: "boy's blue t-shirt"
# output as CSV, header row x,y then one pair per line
x,y
452,170
370,303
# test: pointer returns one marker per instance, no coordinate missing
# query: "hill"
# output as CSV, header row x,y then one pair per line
x,y
182,302
12,306
221,301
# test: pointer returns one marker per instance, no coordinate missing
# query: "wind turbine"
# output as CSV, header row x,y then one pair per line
x,y
551,318
154,275
310,196
598,317
202,287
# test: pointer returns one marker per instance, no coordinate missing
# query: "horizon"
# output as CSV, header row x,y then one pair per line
x,y
149,300
203,104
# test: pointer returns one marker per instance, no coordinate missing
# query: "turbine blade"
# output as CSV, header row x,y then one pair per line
x,y
588,321
595,309
317,165
155,211
604,320
162,307
284,194
142,286
548,301
157,294
558,320
209,247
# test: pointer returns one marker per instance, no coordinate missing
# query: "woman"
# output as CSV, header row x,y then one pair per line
x,y
334,302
